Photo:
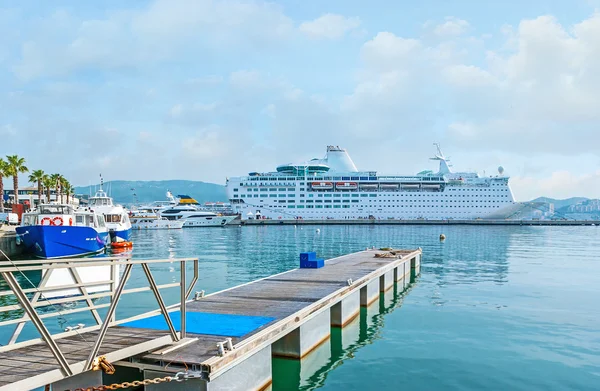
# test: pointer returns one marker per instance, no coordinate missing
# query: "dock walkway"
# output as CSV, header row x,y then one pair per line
x,y
301,306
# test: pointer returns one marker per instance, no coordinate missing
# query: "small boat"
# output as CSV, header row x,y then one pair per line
x,y
121,244
346,185
59,231
115,216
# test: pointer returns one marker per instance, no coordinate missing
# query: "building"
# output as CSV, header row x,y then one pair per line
x,y
29,196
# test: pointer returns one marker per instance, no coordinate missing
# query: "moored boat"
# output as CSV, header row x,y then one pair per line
x,y
115,216
60,230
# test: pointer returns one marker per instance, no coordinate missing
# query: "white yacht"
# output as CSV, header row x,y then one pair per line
x,y
115,216
151,220
333,188
189,209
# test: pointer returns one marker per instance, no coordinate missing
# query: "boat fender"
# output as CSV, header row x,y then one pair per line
x,y
70,221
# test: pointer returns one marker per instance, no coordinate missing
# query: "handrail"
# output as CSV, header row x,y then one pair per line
x,y
115,288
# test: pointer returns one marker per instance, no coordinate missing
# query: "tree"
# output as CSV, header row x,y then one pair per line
x,y
57,181
16,166
37,176
48,184
3,170
69,190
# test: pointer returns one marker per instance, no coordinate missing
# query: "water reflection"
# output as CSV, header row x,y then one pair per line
x,y
311,372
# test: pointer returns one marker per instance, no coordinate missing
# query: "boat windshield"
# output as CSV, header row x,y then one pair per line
x,y
112,218
55,210
101,223
100,202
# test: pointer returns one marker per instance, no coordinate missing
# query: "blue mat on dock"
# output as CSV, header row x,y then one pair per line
x,y
205,323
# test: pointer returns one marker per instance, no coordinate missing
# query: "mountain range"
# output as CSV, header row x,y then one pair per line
x,y
149,191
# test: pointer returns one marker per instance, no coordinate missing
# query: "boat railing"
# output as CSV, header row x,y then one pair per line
x,y
30,304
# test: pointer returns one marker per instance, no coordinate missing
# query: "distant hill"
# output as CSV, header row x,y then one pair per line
x,y
148,191
559,204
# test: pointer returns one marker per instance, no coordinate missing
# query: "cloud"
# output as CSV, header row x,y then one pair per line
x,y
329,26
65,43
560,184
450,28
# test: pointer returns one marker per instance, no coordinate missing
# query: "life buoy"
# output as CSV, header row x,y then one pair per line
x,y
70,221
57,221
46,220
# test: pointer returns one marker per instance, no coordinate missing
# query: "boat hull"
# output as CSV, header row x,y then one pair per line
x,y
215,221
122,235
62,241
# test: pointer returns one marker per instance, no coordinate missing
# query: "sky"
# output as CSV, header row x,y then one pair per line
x,y
204,90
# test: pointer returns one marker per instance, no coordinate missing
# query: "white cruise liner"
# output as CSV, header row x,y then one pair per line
x,y
333,188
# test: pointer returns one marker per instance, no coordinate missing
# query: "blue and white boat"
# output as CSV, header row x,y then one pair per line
x,y
116,216
60,231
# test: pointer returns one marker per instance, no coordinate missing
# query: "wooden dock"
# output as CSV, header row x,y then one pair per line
x,y
302,305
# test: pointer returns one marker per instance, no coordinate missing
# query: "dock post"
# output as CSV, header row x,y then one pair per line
x,y
344,311
386,281
304,339
369,293
402,275
415,263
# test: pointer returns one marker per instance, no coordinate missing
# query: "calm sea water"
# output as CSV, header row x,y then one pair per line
x,y
494,308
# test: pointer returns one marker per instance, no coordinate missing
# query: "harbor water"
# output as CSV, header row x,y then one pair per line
x,y
494,308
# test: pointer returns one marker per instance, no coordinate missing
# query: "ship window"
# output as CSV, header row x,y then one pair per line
x,y
235,189
309,207
345,178
372,195
337,178
337,195
319,206
291,206
300,206
354,195
328,201
346,195
272,195
337,201
355,178
301,195
328,206
328,195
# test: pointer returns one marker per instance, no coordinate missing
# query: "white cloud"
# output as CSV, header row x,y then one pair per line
x,y
329,26
560,184
451,27
63,43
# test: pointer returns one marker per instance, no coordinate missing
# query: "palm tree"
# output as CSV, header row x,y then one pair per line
x,y
16,166
57,180
38,176
47,183
69,190
3,170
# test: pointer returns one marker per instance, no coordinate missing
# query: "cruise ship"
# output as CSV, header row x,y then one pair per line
x,y
333,188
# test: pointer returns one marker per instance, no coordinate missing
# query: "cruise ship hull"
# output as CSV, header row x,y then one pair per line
x,y
51,242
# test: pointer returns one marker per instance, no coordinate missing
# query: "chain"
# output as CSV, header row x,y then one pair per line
x,y
179,377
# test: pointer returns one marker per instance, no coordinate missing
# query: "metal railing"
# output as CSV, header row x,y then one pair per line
x,y
115,288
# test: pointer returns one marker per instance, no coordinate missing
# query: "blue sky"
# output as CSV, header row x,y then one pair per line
x,y
208,89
